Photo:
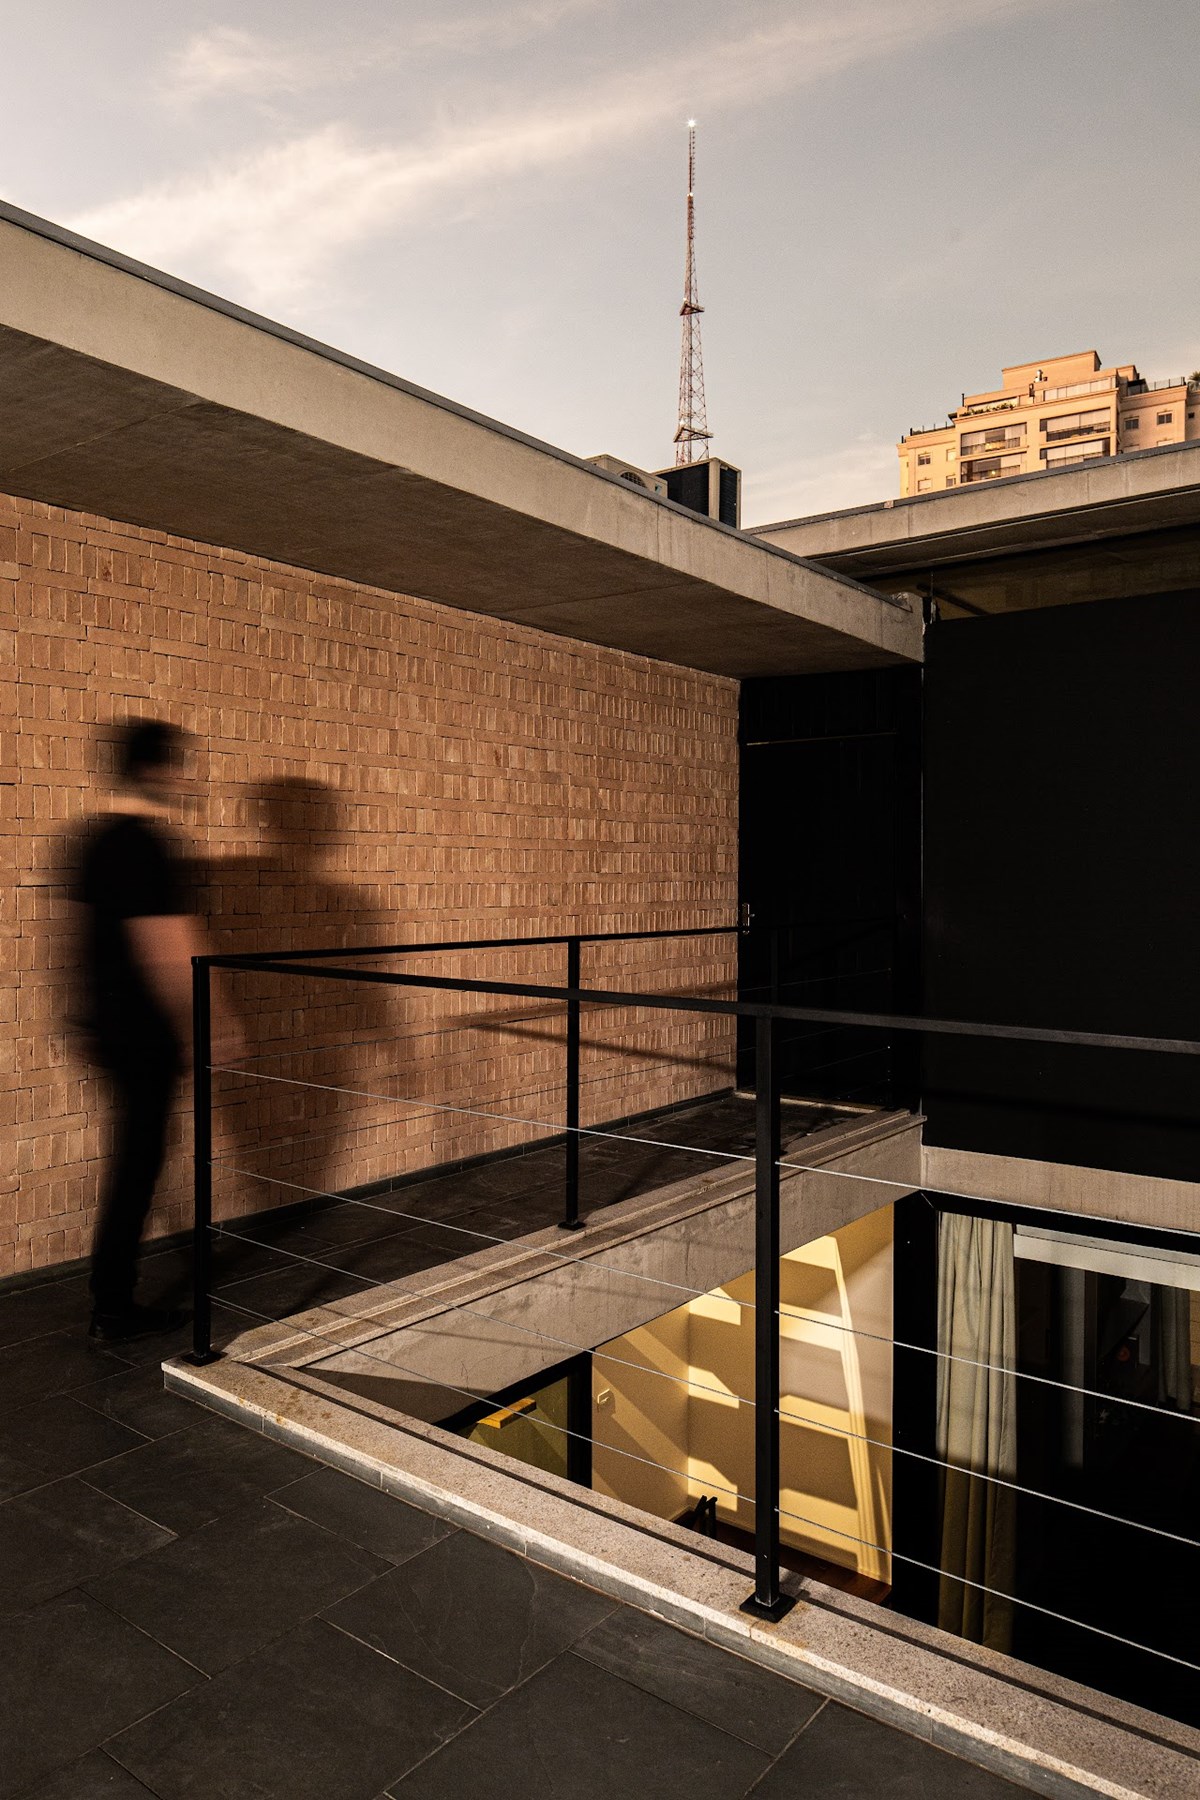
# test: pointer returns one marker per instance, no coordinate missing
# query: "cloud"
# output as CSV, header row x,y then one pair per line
x,y
860,473
228,60
496,28
274,220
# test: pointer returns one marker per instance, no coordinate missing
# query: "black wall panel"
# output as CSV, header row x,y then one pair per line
x,y
1062,878
830,872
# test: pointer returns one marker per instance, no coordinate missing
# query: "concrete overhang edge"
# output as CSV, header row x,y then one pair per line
x,y
95,303
1048,505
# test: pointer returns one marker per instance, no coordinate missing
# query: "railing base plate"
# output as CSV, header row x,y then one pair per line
x,y
776,1610
202,1362
570,1224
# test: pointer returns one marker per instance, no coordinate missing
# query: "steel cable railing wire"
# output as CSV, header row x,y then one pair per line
x,y
766,1599
411,1296
726,1156
736,1494
433,1107
823,1321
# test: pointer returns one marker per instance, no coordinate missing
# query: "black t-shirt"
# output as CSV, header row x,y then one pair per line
x,y
129,867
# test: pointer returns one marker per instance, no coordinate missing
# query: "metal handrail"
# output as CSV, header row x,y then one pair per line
x,y
768,1601
251,958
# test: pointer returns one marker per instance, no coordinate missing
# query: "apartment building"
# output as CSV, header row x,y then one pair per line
x,y
1048,415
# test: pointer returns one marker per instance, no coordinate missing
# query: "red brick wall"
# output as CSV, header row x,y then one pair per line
x,y
450,776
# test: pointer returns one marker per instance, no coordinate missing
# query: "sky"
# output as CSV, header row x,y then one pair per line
x,y
894,198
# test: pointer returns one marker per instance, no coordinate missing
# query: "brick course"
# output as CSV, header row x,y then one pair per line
x,y
372,768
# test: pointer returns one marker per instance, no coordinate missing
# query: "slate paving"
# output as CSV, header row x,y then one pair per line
x,y
189,1611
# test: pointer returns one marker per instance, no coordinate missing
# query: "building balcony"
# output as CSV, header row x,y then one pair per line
x,y
989,406
1074,389
994,446
991,469
1078,431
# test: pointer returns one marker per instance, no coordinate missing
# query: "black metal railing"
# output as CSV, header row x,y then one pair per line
x,y
768,1600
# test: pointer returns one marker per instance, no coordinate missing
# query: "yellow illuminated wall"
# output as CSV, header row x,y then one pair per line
x,y
835,1402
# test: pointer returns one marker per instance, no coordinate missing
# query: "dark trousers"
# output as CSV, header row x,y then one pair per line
x,y
144,1080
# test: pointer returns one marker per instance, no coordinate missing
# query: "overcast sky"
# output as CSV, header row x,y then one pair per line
x,y
894,197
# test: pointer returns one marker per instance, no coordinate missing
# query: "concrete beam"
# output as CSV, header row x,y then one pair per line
x,y
1148,491
128,394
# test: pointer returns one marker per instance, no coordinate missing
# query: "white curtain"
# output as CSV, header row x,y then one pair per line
x,y
977,1425
1173,1348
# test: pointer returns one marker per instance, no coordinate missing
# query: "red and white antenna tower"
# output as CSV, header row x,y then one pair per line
x,y
691,434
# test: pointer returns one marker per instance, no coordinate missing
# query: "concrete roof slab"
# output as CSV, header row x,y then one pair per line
x,y
1139,491
125,393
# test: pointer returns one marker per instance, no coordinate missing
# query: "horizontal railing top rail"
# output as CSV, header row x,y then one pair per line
x,y
679,1002
769,1162
250,958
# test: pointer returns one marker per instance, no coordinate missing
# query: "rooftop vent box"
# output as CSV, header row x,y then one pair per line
x,y
612,465
711,487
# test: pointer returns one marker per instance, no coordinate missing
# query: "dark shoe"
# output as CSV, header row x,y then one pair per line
x,y
136,1322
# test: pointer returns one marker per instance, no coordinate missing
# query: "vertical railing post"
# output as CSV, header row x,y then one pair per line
x,y
202,1350
767,1600
570,1219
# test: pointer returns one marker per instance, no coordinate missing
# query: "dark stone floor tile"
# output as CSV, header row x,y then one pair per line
x,y
234,1259
444,1196
376,1521
281,1292
472,1617
575,1732
58,1436
311,1234
166,1275
316,1716
742,1697
235,1585
70,1675
425,1202
407,1252
507,1220
843,1755
57,1536
93,1777
17,1477
213,1467
137,1398
52,1365
152,1352
28,1312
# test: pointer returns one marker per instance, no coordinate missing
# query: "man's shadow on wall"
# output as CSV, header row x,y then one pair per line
x,y
296,1122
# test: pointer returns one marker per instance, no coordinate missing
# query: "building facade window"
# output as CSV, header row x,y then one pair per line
x,y
987,468
1132,424
1079,387
993,438
922,459
1057,454
924,485
950,481
1077,424
1165,418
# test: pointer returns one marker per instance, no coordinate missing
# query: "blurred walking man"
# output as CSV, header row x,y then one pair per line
x,y
140,934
